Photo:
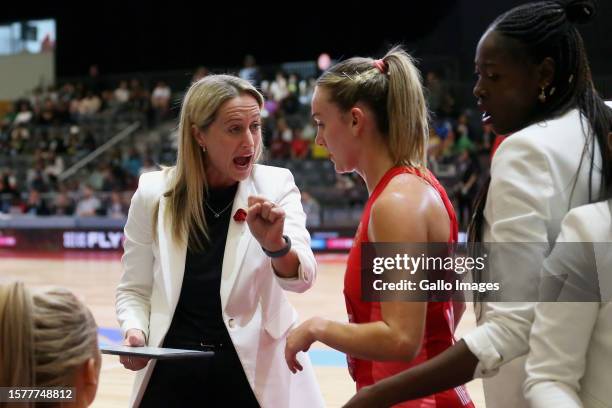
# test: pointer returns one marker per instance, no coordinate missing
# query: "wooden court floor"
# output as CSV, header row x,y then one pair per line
x,y
94,278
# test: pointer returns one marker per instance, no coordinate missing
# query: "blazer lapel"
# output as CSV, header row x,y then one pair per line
x,y
238,238
172,259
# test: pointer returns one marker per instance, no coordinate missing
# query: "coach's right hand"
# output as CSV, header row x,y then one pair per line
x,y
134,338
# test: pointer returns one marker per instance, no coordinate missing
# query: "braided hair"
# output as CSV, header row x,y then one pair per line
x,y
547,29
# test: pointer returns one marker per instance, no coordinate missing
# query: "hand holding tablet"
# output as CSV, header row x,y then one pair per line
x,y
134,355
158,353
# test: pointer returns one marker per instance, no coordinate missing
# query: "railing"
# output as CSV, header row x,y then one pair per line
x,y
100,150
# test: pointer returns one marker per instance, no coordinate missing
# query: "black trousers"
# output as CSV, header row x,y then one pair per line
x,y
218,381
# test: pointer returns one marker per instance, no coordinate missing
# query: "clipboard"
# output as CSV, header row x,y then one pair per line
x,y
157,353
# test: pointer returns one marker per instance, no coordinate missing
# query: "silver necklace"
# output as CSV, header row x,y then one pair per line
x,y
218,214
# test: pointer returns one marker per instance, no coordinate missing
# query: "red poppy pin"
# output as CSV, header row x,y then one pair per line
x,y
240,215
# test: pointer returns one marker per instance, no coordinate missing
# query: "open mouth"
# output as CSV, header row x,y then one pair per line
x,y
243,162
486,117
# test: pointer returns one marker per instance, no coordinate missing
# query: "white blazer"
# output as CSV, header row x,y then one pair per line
x,y
531,190
570,358
255,309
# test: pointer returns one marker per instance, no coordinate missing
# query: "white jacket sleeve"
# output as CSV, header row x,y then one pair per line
x,y
516,212
295,228
558,345
561,332
133,294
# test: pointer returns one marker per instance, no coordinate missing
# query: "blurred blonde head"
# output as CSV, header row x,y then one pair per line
x,y
46,336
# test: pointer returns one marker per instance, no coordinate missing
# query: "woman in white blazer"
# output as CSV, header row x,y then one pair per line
x,y
210,245
534,84
571,342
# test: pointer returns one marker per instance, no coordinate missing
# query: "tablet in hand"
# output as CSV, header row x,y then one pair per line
x,y
158,353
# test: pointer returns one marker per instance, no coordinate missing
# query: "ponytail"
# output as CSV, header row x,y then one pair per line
x,y
391,87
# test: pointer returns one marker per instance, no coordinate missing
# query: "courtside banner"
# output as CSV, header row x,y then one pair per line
x,y
61,239
98,237
496,272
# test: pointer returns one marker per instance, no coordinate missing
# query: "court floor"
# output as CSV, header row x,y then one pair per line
x,y
93,277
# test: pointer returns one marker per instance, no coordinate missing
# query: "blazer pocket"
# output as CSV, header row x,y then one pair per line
x,y
278,324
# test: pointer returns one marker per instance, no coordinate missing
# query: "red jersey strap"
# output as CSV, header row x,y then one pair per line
x,y
430,179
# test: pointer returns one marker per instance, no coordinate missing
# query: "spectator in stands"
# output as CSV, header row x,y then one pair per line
x,y
25,114
133,162
89,204
49,339
20,135
300,148
250,71
47,116
96,176
290,105
54,167
464,133
372,117
271,106
115,207
147,166
122,93
160,99
306,91
62,112
66,92
279,148
278,88
86,142
89,105
468,172
109,182
7,193
37,178
283,130
139,97
35,204
63,204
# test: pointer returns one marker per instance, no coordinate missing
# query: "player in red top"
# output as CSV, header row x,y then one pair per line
x,y
372,117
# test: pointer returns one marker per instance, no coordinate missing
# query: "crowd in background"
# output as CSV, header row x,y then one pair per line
x,y
56,126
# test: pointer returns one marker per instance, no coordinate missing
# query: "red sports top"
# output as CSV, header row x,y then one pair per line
x,y
440,317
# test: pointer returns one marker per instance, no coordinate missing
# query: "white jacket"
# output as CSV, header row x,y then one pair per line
x,y
255,309
531,190
570,358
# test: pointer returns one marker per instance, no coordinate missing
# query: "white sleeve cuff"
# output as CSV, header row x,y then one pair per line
x,y
134,324
489,360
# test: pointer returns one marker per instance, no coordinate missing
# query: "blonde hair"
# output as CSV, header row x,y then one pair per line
x,y
44,336
188,177
395,95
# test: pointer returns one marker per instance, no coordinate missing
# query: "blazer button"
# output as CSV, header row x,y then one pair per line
x,y
231,323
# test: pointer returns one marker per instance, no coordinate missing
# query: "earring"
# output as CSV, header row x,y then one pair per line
x,y
203,148
542,96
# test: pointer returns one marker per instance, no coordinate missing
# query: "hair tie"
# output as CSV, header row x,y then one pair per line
x,y
380,65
